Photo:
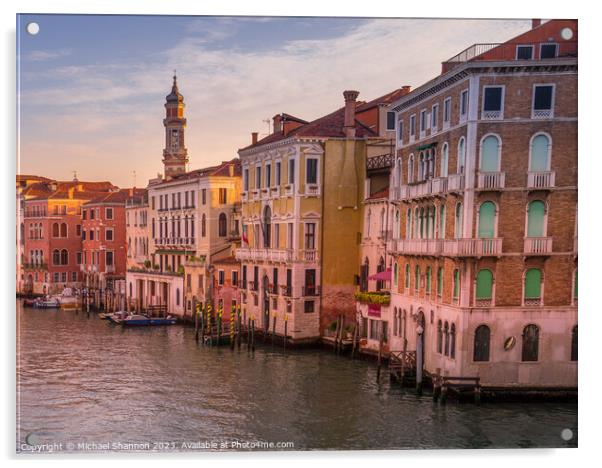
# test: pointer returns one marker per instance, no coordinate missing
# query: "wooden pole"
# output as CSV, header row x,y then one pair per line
x,y
196,319
380,351
238,329
219,324
249,334
285,330
355,333
342,333
231,329
336,334
253,334
202,319
274,329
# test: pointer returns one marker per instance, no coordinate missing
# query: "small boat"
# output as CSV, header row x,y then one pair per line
x,y
29,302
137,320
169,320
47,303
104,315
117,317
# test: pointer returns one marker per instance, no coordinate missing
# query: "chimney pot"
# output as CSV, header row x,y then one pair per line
x,y
405,89
350,101
535,23
254,137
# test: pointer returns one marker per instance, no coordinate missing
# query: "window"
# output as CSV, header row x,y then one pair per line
x,y
78,230
413,126
490,154
574,346
439,281
221,276
533,286
92,213
530,343
484,285
447,111
204,196
407,276
486,227
411,169
374,335
56,257
203,225
84,214
547,51
416,278
55,230
268,175
456,295
536,219
109,234
461,155
435,117
482,336
452,345
422,121
493,102
439,337
245,179
575,287
458,221
222,225
310,236
543,101
312,171
539,159
109,258
464,103
444,159
64,257
291,171
91,234
390,120
442,222
446,333
109,213
395,274
524,52
244,276
223,196
74,276
309,307
278,173
78,258
428,280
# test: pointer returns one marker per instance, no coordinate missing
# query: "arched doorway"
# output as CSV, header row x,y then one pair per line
x,y
266,303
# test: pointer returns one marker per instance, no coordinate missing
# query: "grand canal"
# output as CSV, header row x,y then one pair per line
x,y
82,380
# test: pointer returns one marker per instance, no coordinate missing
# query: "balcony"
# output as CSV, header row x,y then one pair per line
x,y
542,114
455,183
312,190
287,291
541,179
276,255
428,188
447,247
175,241
492,115
538,245
310,291
491,180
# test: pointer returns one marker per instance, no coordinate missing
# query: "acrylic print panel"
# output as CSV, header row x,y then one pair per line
x,y
210,211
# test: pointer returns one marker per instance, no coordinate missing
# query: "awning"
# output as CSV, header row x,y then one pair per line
x,y
381,276
423,147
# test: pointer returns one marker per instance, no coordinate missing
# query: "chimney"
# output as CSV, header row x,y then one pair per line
x,y
277,123
254,137
350,100
131,192
71,191
405,90
535,23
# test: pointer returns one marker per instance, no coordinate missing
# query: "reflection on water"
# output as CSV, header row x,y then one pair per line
x,y
81,379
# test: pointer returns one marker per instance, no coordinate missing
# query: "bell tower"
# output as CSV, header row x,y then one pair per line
x,y
175,155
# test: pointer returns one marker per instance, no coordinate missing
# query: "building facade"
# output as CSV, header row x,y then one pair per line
x,y
484,194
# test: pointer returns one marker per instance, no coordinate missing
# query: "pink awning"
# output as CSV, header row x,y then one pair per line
x,y
381,276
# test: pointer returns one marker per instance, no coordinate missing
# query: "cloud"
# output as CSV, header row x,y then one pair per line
x,y
118,108
45,55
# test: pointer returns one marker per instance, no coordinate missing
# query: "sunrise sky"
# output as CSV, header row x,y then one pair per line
x,y
92,88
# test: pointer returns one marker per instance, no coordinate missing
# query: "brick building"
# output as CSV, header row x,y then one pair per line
x,y
484,194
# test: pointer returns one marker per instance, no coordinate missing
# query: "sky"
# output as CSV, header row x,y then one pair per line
x,y
91,88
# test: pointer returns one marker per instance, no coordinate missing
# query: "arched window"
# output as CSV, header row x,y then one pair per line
x,y
458,223
380,268
396,226
461,155
63,229
442,222
398,173
439,337
536,212
416,223
407,276
64,257
452,345
428,280
487,220
539,160
421,165
456,295
411,169
444,159
490,154
575,287
267,226
203,225
422,224
446,332
55,230
533,286
177,296
484,285
530,343
409,223
481,343
574,346
56,257
416,278
395,274
439,281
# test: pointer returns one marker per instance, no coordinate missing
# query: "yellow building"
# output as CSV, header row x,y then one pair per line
x,y
303,187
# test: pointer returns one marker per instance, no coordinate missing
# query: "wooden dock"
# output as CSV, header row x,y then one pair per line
x,y
444,385
402,367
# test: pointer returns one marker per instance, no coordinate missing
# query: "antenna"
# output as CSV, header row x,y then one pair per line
x,y
74,175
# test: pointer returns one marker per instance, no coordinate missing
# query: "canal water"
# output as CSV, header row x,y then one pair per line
x,y
82,380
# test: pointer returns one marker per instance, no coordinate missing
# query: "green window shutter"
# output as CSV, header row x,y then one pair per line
x,y
535,219
484,284
456,283
417,278
487,220
439,281
533,284
428,279
407,276
539,153
489,154
575,286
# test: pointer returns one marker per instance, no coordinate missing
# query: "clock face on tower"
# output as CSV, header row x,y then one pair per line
x,y
175,140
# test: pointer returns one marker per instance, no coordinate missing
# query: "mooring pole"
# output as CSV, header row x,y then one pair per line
x,y
196,319
419,346
285,330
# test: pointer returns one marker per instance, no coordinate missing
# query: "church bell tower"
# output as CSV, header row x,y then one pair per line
x,y
175,155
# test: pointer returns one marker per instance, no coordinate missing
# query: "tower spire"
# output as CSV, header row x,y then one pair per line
x,y
175,155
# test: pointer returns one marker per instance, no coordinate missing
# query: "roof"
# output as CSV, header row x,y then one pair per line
x,y
384,99
118,198
328,126
80,190
227,260
221,170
